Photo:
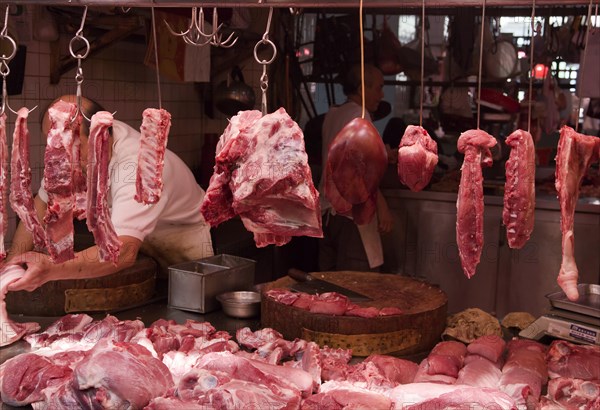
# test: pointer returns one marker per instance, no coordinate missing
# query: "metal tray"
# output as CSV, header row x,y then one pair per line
x,y
587,304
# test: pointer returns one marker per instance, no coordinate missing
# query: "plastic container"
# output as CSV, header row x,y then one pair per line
x,y
194,285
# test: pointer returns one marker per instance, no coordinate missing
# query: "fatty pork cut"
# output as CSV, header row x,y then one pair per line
x,y
151,158
59,165
417,158
475,144
519,189
3,185
356,163
11,331
261,173
21,198
98,214
576,152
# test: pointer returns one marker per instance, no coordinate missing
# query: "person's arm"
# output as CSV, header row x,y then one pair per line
x,y
22,240
85,265
386,221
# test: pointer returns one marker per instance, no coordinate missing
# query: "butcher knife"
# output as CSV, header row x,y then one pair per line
x,y
309,284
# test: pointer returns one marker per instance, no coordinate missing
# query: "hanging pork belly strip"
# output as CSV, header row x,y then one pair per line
x,y
98,214
576,152
475,144
79,181
151,158
519,189
3,185
21,198
58,180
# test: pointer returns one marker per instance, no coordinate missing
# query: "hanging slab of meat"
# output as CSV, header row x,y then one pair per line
x,y
261,173
519,189
475,144
151,158
98,214
417,158
21,198
59,166
11,331
3,185
79,180
356,163
576,152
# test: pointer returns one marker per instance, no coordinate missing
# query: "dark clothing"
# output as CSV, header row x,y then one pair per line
x,y
341,247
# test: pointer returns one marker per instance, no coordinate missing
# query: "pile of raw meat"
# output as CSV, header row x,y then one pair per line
x,y
84,364
261,173
329,303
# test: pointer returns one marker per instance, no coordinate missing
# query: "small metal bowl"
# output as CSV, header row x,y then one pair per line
x,y
241,304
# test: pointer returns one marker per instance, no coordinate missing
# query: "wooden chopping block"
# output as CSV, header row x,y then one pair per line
x,y
415,331
128,287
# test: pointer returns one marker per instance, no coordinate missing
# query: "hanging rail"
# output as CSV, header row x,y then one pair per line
x,y
391,4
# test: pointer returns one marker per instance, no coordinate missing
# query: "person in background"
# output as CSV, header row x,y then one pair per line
x,y
172,230
345,245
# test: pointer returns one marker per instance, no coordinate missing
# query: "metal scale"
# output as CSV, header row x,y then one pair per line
x,y
577,321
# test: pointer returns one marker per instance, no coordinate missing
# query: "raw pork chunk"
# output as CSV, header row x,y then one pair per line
x,y
3,185
11,331
519,189
475,144
261,173
417,158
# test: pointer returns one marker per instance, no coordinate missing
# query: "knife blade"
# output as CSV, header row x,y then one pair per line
x,y
309,284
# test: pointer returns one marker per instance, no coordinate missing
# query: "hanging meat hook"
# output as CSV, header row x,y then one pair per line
x,y
216,39
4,69
264,79
79,57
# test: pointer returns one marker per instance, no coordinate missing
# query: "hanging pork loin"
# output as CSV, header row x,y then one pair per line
x,y
3,185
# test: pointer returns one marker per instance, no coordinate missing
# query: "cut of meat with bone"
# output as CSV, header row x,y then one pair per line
x,y
576,152
417,158
3,185
155,128
475,144
58,180
576,361
519,189
11,331
98,213
21,198
261,173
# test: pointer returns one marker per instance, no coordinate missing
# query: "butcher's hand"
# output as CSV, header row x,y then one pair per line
x,y
386,220
38,271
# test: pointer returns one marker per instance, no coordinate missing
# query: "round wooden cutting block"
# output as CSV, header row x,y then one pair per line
x,y
128,287
415,331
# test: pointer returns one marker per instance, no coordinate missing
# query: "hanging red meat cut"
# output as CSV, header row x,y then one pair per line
x,y
98,214
3,185
519,189
21,198
576,152
261,173
475,144
11,331
79,180
417,158
356,163
151,158
58,180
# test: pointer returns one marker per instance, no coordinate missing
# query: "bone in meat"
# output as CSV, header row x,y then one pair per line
x,y
153,143
576,152
11,331
519,189
417,158
475,144
58,180
98,214
21,198
3,185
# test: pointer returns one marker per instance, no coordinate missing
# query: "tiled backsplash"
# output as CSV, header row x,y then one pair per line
x,y
118,79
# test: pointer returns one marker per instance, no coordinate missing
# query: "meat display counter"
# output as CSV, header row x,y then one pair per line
x,y
423,244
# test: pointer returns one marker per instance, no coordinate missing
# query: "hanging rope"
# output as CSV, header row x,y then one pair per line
x,y
156,59
480,64
531,76
422,63
362,57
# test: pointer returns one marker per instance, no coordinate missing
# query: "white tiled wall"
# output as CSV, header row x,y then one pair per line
x,y
117,78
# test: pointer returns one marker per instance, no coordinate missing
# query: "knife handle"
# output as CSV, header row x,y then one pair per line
x,y
299,275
